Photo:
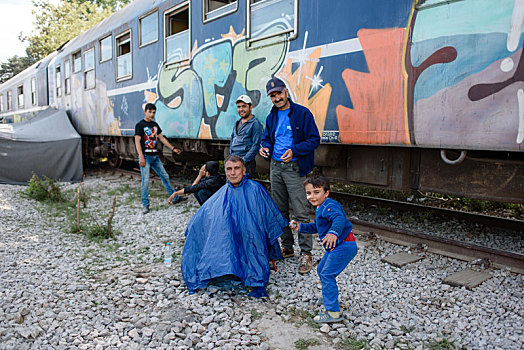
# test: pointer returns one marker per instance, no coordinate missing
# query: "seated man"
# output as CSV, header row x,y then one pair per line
x,y
234,233
202,188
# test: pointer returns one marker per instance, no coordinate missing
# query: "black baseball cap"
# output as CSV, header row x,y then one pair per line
x,y
275,84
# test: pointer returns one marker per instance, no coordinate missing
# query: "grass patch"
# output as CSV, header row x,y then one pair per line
x,y
300,317
353,343
256,315
442,344
303,344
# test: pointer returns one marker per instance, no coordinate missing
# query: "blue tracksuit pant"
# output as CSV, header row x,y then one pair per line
x,y
331,265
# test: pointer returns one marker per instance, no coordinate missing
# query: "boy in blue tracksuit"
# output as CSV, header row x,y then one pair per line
x,y
334,230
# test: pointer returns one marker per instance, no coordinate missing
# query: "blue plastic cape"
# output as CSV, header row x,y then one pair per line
x,y
235,232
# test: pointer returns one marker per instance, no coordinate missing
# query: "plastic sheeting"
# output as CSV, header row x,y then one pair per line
x,y
235,232
46,145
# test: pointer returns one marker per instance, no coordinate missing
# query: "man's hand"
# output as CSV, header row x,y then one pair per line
x,y
176,193
142,162
202,171
329,241
286,157
177,151
264,152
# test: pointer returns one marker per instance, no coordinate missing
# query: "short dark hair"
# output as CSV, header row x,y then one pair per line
x,y
150,107
235,159
318,181
212,167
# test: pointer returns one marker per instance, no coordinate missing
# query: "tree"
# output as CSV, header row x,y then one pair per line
x,y
55,25
13,66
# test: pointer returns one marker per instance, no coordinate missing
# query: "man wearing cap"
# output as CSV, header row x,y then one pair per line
x,y
205,185
290,139
246,135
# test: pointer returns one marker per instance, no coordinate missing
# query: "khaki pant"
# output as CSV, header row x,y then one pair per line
x,y
287,186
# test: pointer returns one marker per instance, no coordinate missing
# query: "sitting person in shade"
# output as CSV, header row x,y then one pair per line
x,y
205,185
234,233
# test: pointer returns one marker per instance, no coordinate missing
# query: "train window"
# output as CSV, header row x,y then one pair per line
x,y
33,91
77,62
123,56
106,49
177,34
148,29
58,81
267,18
216,8
9,101
20,91
89,69
67,77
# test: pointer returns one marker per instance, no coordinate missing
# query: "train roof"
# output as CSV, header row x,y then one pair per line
x,y
29,71
106,26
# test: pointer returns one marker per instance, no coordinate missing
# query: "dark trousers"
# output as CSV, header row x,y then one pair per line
x,y
202,195
286,186
251,167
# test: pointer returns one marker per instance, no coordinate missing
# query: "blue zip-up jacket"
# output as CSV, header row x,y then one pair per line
x,y
245,142
330,217
305,135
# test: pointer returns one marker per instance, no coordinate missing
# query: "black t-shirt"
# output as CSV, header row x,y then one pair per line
x,y
148,131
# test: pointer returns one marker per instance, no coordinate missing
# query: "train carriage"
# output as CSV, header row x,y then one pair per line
x,y
406,94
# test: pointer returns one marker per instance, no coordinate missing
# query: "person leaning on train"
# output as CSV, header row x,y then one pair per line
x,y
147,132
289,141
246,135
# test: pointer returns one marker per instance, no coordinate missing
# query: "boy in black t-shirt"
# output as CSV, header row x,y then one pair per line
x,y
147,132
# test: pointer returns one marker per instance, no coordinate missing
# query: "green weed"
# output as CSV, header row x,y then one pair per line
x,y
303,344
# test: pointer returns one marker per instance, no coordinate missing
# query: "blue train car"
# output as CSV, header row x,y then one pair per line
x,y
407,94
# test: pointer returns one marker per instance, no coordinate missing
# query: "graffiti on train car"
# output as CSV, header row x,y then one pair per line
x,y
199,101
467,76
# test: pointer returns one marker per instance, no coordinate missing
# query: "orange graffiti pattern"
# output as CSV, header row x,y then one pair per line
x,y
299,83
378,115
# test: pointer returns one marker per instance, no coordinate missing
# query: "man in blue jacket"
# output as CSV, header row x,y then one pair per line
x,y
246,135
290,139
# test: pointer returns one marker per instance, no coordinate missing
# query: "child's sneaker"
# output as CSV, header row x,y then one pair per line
x,y
328,317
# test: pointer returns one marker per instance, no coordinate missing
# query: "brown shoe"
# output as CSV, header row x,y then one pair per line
x,y
306,263
288,253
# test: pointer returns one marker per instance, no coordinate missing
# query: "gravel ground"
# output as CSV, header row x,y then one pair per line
x,y
60,290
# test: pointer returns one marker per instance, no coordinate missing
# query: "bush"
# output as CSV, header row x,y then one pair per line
x,y
43,189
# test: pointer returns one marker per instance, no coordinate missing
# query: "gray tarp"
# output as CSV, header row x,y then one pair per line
x,y
45,145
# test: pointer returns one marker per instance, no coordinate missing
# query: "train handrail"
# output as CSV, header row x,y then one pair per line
x,y
445,159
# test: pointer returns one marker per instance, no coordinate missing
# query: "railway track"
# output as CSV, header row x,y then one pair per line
x,y
441,245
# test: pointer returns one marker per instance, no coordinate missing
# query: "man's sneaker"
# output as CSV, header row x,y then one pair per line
x,y
288,253
306,263
176,200
145,209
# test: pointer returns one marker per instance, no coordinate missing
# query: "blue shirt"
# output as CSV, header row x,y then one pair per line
x,y
330,217
283,136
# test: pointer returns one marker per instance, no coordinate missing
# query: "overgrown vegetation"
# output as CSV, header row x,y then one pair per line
x,y
47,191
300,317
43,189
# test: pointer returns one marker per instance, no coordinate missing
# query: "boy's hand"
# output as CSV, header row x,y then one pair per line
x,y
329,241
294,225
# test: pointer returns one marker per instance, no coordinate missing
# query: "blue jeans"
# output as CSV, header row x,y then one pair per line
x,y
331,265
153,162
